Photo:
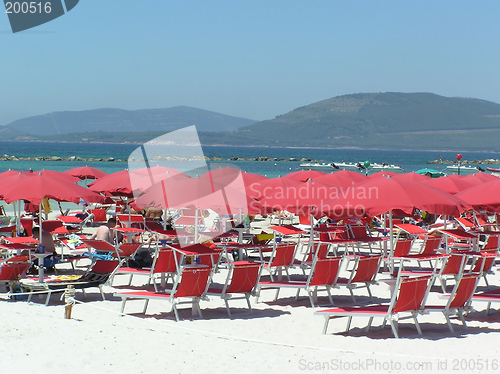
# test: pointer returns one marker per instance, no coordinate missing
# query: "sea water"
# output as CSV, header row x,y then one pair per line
x,y
409,160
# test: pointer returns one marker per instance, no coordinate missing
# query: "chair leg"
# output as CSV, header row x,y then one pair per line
x,y
349,319
197,303
394,328
227,307
124,300
352,295
277,293
417,325
247,296
130,279
461,316
102,293
174,309
145,306
329,295
325,326
448,322
369,324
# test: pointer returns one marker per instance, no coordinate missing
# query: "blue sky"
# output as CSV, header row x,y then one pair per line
x,y
254,59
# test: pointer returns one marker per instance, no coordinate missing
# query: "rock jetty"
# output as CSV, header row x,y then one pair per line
x,y
166,158
490,161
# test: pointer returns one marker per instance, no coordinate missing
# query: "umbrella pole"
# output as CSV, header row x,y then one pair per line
x,y
196,226
391,237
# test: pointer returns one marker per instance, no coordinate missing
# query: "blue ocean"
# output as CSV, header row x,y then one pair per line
x,y
409,160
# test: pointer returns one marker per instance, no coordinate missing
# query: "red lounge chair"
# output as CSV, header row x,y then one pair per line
x,y
166,262
96,276
242,278
282,257
324,273
98,215
11,271
408,299
489,297
191,282
363,275
459,300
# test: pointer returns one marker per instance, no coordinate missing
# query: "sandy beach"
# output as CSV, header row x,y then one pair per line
x,y
283,335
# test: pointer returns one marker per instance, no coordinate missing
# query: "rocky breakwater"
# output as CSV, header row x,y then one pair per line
x,y
166,158
57,158
490,161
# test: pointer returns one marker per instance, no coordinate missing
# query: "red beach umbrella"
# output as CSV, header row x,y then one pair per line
x,y
483,196
305,175
381,195
342,178
115,184
86,172
449,184
381,174
200,192
271,187
39,186
300,199
57,175
143,178
484,177
415,177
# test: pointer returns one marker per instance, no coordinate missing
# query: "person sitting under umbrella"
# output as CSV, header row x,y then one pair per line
x,y
46,245
106,232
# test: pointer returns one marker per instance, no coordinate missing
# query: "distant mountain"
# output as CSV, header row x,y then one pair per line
x,y
392,120
145,120
379,120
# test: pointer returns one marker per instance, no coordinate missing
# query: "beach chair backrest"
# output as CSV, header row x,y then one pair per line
x,y
244,278
402,248
104,266
167,260
454,264
99,215
13,271
431,245
492,243
54,227
126,250
463,291
283,255
484,263
411,294
325,271
366,268
320,251
358,231
27,224
193,282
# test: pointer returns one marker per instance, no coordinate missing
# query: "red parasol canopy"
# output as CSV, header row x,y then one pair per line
x,y
57,175
200,192
483,196
86,172
305,175
415,177
449,184
342,178
380,195
38,186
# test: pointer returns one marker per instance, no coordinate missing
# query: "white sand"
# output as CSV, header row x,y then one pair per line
x,y
282,337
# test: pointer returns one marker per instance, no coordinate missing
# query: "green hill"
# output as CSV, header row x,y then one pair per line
x,y
113,120
381,120
413,121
